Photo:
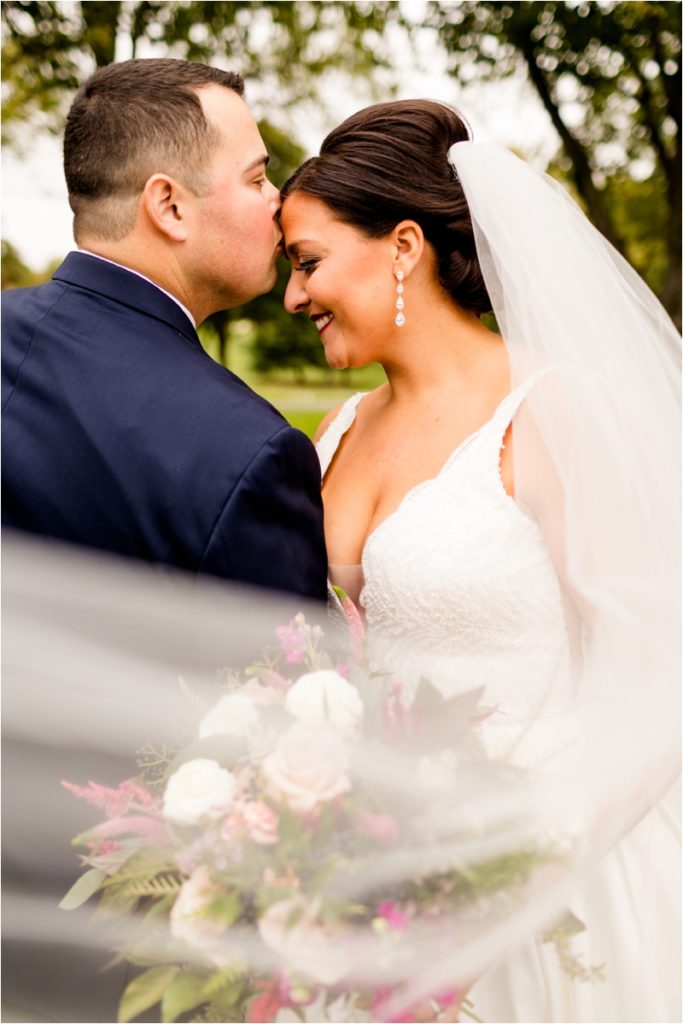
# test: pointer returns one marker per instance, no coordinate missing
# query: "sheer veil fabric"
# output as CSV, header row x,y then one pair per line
x,y
596,450
596,447
93,651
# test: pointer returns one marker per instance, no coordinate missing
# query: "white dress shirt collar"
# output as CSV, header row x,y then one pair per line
x,y
86,252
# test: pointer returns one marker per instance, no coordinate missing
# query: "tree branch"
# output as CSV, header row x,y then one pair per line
x,y
574,150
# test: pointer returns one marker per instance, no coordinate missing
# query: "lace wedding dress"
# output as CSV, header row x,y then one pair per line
x,y
457,585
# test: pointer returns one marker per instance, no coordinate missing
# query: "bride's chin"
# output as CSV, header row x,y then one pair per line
x,y
337,360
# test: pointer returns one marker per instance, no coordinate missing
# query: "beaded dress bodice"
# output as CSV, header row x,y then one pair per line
x,y
459,585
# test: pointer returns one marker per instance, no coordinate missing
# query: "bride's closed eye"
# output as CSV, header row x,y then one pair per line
x,y
306,265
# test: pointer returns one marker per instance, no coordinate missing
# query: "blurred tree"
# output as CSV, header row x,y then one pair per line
x,y
49,48
609,77
15,273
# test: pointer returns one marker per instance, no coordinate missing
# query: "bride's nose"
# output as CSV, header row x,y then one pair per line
x,y
296,298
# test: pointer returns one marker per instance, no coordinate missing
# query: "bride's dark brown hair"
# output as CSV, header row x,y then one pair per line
x,y
389,163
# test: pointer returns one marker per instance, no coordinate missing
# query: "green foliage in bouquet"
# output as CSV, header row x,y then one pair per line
x,y
299,849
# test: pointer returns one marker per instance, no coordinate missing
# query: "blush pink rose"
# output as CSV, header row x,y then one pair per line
x,y
260,822
307,769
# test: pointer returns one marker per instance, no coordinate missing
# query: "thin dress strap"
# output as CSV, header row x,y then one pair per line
x,y
502,418
329,442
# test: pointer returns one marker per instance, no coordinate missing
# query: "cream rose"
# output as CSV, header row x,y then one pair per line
x,y
233,715
200,790
325,697
191,923
307,768
308,946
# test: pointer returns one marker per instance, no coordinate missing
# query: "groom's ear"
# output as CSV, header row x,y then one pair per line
x,y
163,200
409,242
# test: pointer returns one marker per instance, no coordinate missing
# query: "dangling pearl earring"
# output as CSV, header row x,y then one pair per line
x,y
400,303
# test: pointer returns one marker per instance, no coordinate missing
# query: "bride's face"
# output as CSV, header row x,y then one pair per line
x,y
341,279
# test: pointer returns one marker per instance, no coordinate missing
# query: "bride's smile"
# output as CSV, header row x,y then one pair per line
x,y
342,279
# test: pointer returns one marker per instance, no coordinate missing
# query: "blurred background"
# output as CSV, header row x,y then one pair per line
x,y
590,92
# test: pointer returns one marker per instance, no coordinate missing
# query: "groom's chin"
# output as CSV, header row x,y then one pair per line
x,y
269,280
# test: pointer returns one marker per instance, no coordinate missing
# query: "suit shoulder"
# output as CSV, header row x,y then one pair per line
x,y
234,397
32,302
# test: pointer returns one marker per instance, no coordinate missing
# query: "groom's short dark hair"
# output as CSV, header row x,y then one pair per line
x,y
129,121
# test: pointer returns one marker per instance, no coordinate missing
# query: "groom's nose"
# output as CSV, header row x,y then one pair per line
x,y
296,299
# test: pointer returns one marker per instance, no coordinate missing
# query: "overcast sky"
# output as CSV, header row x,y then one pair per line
x,y
35,212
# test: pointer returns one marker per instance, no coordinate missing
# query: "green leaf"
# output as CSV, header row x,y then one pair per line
x,y
294,917
145,863
184,993
82,889
144,991
226,908
115,903
569,924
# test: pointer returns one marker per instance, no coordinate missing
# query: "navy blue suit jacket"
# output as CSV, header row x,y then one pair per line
x,y
121,433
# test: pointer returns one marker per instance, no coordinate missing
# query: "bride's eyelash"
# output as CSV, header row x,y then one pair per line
x,y
307,264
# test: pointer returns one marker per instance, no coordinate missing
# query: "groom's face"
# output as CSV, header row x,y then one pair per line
x,y
235,241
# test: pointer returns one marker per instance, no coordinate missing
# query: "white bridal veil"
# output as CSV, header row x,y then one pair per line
x,y
102,660
596,453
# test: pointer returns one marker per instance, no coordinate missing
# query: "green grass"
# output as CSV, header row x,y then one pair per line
x,y
302,403
302,420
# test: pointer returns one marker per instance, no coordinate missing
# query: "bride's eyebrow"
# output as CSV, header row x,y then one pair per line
x,y
293,247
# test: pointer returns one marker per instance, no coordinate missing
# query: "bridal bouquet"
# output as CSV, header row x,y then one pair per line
x,y
304,849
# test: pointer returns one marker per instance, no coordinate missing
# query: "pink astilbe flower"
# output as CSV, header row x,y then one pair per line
x,y
152,830
354,623
274,995
394,917
398,718
292,641
382,998
114,802
101,849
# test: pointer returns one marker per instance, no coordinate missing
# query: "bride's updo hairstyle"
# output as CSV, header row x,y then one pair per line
x,y
389,163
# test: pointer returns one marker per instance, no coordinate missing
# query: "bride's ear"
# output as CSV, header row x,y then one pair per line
x,y
408,241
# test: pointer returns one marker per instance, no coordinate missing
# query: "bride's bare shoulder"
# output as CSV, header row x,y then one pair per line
x,y
330,417
327,420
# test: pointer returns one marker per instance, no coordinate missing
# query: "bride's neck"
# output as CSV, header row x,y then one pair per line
x,y
441,347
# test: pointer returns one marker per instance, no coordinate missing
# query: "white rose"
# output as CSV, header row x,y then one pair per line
x,y
314,949
325,697
199,790
307,768
233,715
205,931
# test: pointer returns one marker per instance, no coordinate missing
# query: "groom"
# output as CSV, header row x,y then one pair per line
x,y
119,432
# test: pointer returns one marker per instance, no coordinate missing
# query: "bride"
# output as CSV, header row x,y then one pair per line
x,y
504,508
